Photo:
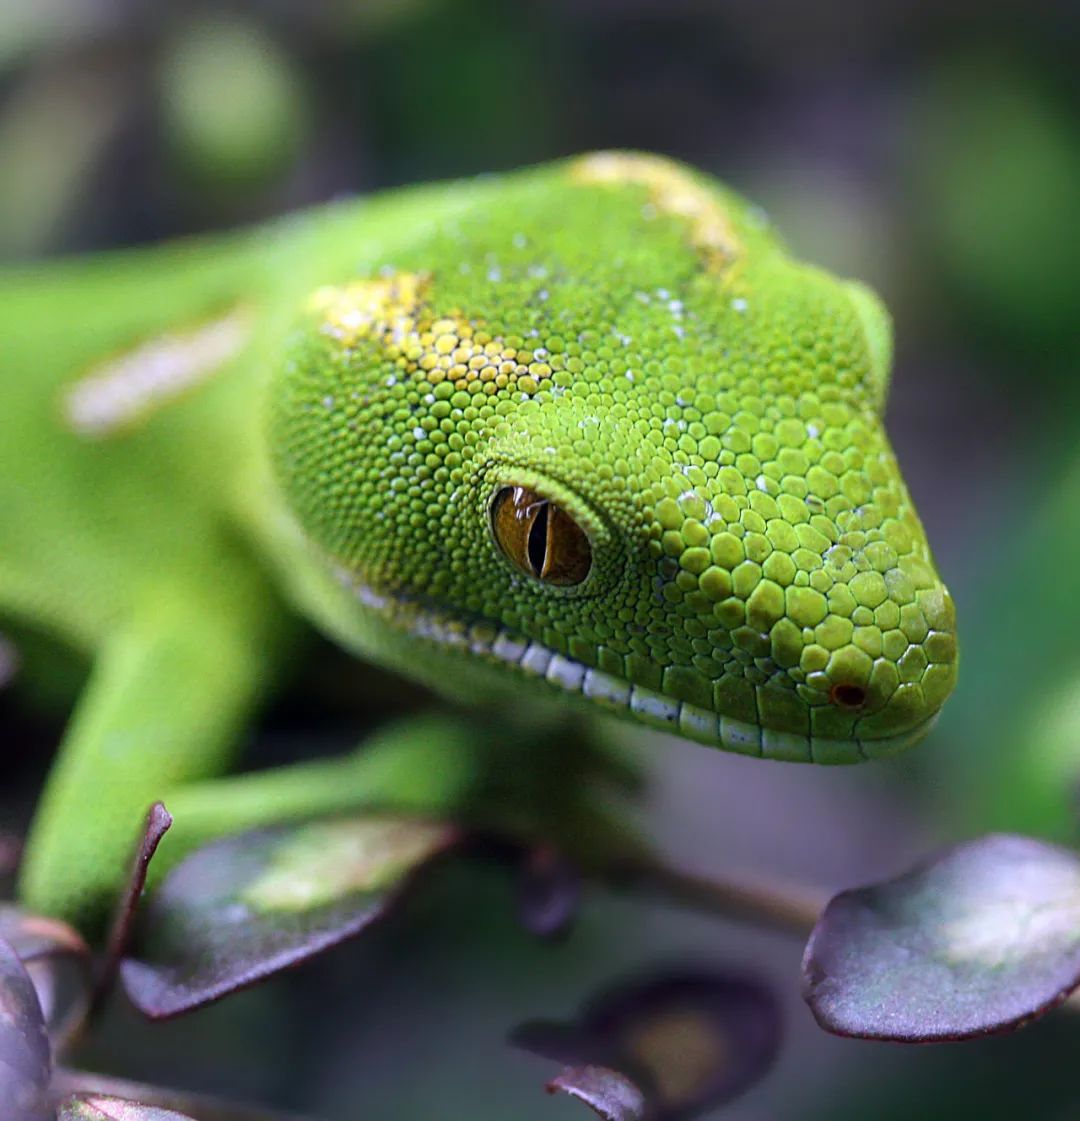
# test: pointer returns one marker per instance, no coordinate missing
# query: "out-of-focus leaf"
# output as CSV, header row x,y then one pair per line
x,y
371,19
549,891
689,1040
58,963
53,131
1000,169
606,1092
25,1058
34,937
50,24
95,1107
982,938
1013,763
232,102
247,906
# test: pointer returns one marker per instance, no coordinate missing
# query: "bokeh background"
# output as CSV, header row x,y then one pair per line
x,y
931,149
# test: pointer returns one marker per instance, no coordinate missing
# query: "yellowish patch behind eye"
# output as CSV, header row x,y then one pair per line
x,y
394,311
672,190
384,307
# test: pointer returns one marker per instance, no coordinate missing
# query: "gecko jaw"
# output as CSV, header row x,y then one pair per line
x,y
651,707
615,695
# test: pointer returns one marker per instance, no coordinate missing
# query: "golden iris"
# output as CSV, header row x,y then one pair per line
x,y
539,537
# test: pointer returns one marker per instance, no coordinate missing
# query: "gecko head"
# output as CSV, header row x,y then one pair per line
x,y
595,427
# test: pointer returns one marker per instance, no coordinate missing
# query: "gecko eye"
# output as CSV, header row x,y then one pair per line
x,y
540,538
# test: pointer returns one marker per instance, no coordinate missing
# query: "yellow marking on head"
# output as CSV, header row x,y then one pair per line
x,y
383,307
117,393
393,311
672,190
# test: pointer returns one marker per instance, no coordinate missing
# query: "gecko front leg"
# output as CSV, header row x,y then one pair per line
x,y
170,693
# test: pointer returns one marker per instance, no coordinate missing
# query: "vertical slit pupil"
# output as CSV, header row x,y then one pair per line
x,y
538,540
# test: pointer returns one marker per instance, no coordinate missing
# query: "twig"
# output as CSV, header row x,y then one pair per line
x,y
789,908
67,1082
157,824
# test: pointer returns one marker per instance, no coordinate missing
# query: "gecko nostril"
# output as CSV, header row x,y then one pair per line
x,y
848,696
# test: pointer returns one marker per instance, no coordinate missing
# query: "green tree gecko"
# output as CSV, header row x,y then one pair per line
x,y
583,431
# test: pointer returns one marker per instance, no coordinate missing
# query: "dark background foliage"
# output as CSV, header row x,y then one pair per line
x,y
932,149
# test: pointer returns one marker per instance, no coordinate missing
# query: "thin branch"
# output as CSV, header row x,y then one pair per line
x,y
67,1082
157,824
793,909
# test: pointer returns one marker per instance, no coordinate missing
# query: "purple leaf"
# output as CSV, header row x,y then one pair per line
x,y
606,1092
982,938
242,908
25,1058
84,1088
689,1040
96,1107
58,963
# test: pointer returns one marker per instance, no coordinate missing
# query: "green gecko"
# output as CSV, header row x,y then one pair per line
x,y
585,432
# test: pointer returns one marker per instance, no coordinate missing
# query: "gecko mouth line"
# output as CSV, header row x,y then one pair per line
x,y
648,706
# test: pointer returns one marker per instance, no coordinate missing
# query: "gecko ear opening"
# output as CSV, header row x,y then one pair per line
x,y
877,330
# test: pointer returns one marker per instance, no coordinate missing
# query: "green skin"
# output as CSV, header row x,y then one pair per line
x,y
706,409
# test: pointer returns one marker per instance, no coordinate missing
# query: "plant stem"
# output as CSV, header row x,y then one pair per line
x,y
789,908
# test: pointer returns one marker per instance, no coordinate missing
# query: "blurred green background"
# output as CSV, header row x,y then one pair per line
x,y
930,149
